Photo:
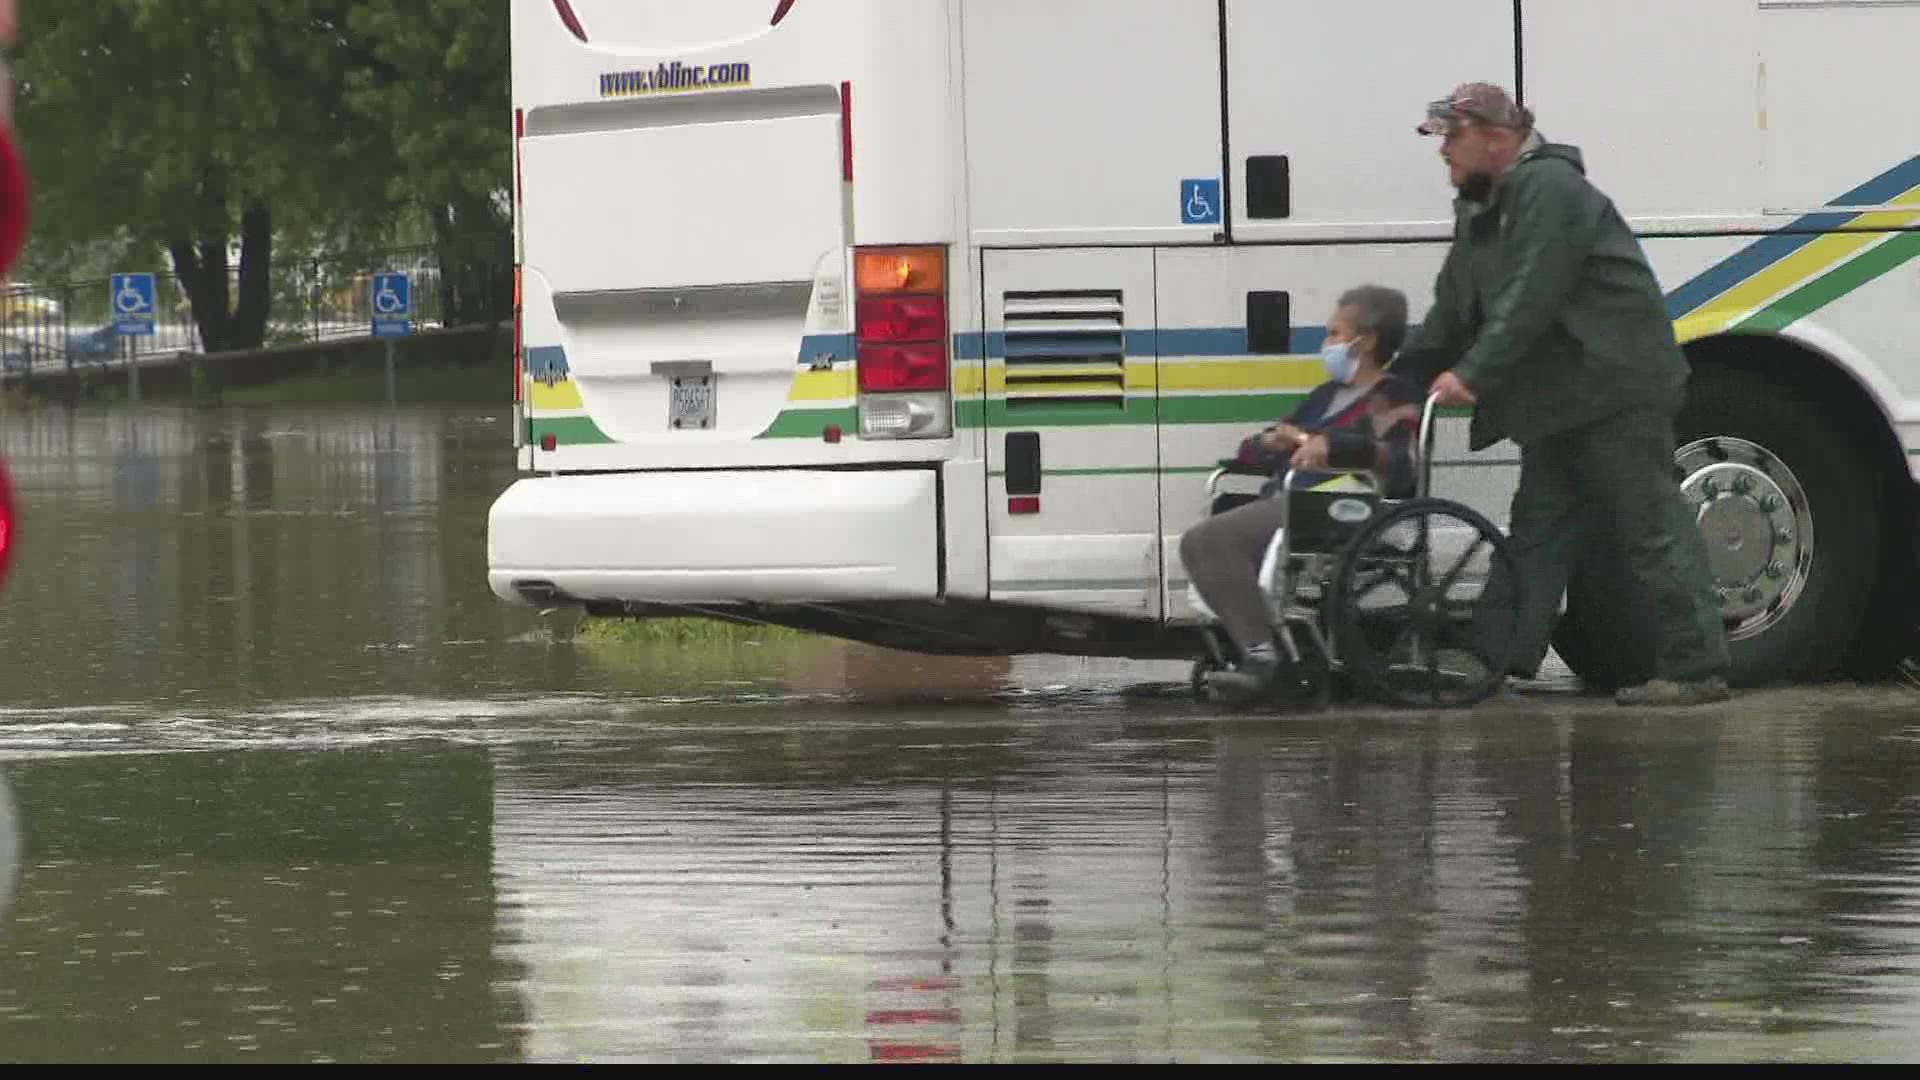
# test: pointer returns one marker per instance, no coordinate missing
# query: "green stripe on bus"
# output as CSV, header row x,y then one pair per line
x,y
809,423
1144,410
1840,281
568,431
1141,410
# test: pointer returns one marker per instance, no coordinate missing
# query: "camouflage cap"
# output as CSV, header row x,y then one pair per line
x,y
1482,102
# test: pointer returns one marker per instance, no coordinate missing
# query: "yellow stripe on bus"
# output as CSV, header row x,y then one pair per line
x,y
1803,265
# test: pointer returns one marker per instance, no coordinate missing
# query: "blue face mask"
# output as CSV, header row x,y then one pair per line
x,y
1340,361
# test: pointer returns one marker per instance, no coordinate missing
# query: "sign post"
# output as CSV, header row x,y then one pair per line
x,y
392,317
131,299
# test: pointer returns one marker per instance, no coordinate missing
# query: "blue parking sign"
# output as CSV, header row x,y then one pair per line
x,y
131,299
392,305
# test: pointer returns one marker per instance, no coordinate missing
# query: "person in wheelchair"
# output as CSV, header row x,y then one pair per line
x,y
1363,418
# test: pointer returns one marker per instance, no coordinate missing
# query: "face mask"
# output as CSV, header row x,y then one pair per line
x,y
1339,361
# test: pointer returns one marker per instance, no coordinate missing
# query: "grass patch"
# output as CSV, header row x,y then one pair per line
x,y
682,632
474,384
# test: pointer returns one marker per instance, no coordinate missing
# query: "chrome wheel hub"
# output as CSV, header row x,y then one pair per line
x,y
1758,527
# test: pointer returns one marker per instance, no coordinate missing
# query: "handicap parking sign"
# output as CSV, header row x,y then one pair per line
x,y
392,305
131,299
1199,202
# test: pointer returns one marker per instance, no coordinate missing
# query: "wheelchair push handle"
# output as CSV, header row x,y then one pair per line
x,y
1423,463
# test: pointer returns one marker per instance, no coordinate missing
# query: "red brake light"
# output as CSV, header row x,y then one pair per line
x,y
901,318
780,11
567,16
903,367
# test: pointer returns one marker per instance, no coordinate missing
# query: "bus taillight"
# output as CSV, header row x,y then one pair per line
x,y
901,355
888,368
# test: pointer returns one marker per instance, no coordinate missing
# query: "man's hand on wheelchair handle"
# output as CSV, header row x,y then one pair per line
x,y
1451,391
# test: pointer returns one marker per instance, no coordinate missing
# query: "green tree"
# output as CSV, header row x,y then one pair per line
x,y
196,127
216,129
433,78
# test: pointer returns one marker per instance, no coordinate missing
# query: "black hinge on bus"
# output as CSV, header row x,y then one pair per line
x,y
1269,187
1023,463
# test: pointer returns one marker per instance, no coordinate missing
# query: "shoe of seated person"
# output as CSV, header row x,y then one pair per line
x,y
1250,681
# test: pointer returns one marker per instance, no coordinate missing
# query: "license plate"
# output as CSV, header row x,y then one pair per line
x,y
690,402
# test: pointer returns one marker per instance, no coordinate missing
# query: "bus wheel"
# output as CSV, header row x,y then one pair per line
x,y
1787,510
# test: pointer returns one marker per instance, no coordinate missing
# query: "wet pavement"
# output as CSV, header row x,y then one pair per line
x,y
281,781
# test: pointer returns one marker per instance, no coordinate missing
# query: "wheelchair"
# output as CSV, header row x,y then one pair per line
x,y
1375,592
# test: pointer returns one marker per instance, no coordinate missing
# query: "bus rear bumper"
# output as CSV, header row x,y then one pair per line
x,y
765,536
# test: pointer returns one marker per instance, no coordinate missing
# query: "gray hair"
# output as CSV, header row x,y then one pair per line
x,y
1379,311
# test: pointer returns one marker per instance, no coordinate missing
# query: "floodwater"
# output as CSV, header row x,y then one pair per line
x,y
281,781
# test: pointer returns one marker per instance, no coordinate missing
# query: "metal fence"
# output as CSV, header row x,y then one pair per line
x,y
55,327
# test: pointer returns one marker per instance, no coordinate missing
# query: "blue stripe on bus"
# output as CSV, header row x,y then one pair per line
x,y
1797,234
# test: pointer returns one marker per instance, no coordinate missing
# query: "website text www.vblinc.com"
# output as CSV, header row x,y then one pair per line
x,y
674,76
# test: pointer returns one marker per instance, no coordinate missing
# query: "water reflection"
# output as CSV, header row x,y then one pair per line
x,y
235,555
1480,889
259,906
833,881
292,785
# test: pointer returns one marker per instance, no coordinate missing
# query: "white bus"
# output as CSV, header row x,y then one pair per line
x,y
920,322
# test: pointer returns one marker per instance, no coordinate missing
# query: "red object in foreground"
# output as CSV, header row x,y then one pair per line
x,y
15,201
8,523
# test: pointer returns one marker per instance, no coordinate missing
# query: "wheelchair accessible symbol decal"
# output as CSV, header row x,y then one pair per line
x,y
1199,202
392,305
133,304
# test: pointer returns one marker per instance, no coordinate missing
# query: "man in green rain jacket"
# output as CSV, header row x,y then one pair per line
x,y
1548,320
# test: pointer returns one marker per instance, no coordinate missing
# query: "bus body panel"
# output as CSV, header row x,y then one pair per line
x,y
1071,371
1332,91
1085,119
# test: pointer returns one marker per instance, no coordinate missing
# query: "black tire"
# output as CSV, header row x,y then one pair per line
x,y
1604,637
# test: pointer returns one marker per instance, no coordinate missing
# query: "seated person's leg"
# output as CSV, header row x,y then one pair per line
x,y
1222,555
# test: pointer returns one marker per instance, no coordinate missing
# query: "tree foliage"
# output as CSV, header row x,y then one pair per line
x,y
437,83
203,129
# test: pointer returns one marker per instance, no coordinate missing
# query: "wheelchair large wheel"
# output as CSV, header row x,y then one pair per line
x,y
1403,606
